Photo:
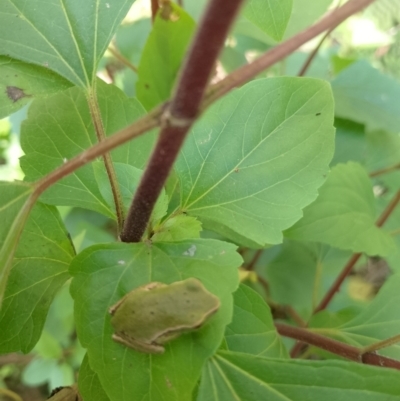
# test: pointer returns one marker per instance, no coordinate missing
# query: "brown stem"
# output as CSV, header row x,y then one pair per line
x,y
338,282
336,347
183,110
115,52
312,55
254,260
389,210
291,312
154,9
245,73
385,170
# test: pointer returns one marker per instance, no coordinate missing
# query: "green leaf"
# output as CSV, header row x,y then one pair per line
x,y
257,157
40,268
163,54
350,142
177,228
128,178
21,82
313,265
379,321
235,376
60,127
272,16
88,228
14,210
104,274
304,14
252,329
38,371
89,383
66,37
344,214
383,150
363,94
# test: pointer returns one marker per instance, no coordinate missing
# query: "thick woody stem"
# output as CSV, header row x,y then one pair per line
x,y
181,113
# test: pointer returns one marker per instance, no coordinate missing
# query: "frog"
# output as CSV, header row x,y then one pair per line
x,y
152,315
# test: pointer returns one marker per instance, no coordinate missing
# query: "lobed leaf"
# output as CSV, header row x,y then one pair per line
x,y
344,214
40,268
104,274
257,157
235,376
69,38
60,127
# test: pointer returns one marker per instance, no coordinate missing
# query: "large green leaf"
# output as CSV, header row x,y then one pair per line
x,y
379,321
252,329
104,274
66,37
257,157
60,127
21,82
40,268
365,95
344,214
271,16
235,377
163,54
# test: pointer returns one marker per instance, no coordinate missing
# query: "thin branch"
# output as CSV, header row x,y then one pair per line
x,y
382,344
182,112
116,53
395,232
345,350
338,282
312,55
284,49
388,210
254,260
385,170
112,177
